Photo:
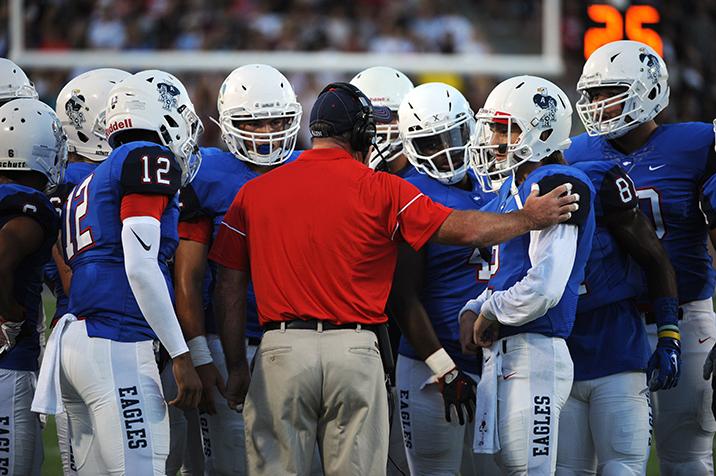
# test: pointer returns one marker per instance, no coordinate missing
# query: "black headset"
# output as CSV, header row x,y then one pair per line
x,y
363,132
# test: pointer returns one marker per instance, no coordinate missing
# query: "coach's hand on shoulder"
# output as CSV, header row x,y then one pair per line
x,y
188,383
237,385
210,378
458,391
551,208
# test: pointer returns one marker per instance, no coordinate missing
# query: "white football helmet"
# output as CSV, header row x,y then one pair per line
x,y
385,87
31,139
639,70
14,82
157,101
436,123
535,109
257,92
81,108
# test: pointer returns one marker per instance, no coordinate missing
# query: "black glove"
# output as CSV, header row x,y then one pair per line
x,y
709,366
458,391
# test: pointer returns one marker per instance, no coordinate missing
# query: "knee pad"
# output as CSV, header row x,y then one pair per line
x,y
702,467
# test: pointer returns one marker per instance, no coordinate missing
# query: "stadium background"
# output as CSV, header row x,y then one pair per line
x,y
470,44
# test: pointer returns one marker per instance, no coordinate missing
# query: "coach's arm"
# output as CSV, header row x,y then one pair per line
x,y
479,229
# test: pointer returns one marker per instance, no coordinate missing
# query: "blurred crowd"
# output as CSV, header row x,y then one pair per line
x,y
379,26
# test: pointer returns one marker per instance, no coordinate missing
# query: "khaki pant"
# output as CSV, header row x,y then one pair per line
x,y
310,386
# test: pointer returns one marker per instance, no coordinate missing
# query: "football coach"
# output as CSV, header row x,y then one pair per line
x,y
318,238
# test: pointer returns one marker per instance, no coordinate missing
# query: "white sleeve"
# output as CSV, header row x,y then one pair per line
x,y
474,305
140,241
551,253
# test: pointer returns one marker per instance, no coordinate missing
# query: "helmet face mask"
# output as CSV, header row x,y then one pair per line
x,y
259,115
261,148
388,145
436,124
639,71
498,147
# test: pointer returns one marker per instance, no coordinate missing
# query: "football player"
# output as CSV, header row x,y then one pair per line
x,y
605,425
14,83
259,117
386,87
431,285
32,158
624,85
120,228
527,312
81,108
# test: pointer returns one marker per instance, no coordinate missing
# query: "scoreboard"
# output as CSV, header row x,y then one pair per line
x,y
607,23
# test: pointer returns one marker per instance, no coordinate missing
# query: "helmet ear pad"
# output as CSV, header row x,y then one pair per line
x,y
364,131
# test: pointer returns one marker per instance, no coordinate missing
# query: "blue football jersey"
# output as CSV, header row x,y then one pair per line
x,y
451,272
408,171
608,319
92,241
669,173
512,260
15,201
74,174
210,194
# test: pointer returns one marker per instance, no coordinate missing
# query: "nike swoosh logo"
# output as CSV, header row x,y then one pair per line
x,y
626,163
657,167
488,359
701,341
508,375
144,245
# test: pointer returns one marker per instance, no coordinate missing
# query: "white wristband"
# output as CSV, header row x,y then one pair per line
x,y
440,363
199,350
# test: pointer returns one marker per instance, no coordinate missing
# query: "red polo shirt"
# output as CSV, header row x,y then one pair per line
x,y
319,237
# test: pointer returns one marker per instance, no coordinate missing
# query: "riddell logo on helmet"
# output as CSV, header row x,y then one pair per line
x,y
115,126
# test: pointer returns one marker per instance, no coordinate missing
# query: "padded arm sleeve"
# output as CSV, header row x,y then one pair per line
x,y
140,242
552,253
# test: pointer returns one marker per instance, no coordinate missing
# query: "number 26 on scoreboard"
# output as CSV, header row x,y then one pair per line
x,y
615,26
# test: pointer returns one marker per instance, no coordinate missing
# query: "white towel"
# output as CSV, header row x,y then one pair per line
x,y
487,439
48,395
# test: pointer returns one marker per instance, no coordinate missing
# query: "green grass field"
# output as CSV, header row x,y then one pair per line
x,y
52,465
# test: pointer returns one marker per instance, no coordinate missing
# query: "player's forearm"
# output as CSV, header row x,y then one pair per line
x,y
148,283
189,274
10,310
479,229
64,272
230,311
415,325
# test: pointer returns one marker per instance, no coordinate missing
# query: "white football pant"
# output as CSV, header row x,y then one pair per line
x,y
20,433
604,427
112,394
432,445
532,388
684,425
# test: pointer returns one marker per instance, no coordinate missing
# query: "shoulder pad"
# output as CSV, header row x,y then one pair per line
x,y
550,182
24,201
152,170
